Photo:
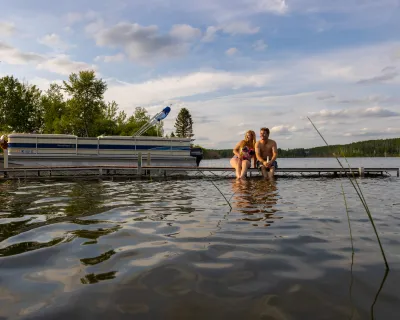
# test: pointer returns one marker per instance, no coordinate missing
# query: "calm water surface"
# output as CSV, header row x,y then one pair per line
x,y
175,249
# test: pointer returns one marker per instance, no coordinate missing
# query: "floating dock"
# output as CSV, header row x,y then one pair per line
x,y
174,171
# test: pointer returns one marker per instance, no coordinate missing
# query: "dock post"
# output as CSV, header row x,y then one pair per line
x,y
361,171
398,171
5,152
139,163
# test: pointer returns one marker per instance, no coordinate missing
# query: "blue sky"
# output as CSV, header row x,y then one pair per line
x,y
236,65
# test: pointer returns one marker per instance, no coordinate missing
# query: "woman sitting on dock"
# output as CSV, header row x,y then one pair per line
x,y
243,153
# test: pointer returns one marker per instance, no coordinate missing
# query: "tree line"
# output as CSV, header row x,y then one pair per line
x,y
76,106
369,148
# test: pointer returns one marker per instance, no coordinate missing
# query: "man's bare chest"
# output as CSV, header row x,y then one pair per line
x,y
266,147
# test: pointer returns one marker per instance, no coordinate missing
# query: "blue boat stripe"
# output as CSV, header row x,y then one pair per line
x,y
94,146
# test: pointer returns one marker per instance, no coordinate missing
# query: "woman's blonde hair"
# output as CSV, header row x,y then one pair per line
x,y
251,143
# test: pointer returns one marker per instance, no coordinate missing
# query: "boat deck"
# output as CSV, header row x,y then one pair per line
x,y
176,171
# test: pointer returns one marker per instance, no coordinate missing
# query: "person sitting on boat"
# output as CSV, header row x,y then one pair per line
x,y
266,154
243,153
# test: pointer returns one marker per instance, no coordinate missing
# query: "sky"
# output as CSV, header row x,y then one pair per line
x,y
236,65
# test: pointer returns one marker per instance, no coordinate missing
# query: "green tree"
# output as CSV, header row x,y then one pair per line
x,y
55,116
137,120
20,107
111,121
184,124
86,106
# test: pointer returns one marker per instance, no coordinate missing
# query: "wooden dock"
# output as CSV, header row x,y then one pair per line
x,y
170,171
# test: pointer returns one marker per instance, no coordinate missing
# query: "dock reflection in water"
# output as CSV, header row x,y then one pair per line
x,y
176,250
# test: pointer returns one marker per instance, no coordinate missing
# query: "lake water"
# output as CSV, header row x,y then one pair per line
x,y
201,248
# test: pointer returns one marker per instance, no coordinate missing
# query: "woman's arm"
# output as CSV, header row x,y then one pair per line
x,y
236,150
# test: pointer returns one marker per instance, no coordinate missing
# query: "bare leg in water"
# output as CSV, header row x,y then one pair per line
x,y
245,166
237,164
268,174
272,172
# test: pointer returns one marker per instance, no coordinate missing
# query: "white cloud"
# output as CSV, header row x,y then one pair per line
x,y
371,132
184,32
54,41
387,74
396,54
210,34
95,27
259,45
350,65
7,29
107,59
379,112
223,11
344,6
43,83
275,6
144,44
159,90
239,27
283,130
11,55
231,51
233,28
62,64
68,30
74,17
376,112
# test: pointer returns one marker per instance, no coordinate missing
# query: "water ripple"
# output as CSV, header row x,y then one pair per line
x,y
170,249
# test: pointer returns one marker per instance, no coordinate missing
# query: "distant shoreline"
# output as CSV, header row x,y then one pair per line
x,y
315,157
362,149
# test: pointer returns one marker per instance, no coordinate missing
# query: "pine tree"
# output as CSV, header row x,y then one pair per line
x,y
184,124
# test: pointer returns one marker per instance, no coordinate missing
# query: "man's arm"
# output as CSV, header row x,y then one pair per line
x,y
274,152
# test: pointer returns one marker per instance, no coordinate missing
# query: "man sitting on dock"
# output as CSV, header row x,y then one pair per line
x,y
266,153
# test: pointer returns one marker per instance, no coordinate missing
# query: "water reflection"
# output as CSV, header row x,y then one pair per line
x,y
256,200
25,208
28,246
95,260
385,275
94,278
153,251
85,199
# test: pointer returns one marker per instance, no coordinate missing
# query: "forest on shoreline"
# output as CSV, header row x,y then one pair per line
x,y
368,148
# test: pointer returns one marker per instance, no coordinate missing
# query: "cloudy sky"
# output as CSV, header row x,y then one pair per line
x,y
235,64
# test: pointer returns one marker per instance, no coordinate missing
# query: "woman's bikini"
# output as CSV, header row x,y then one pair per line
x,y
246,152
